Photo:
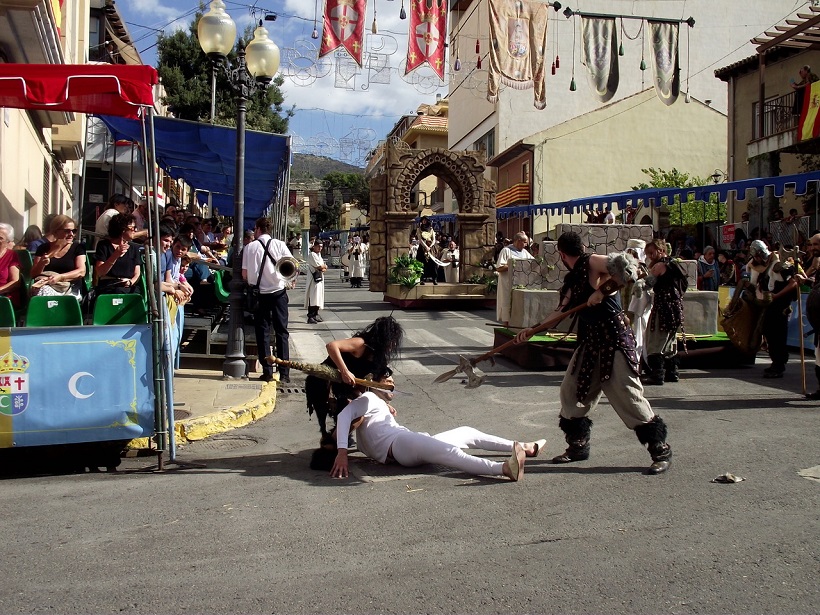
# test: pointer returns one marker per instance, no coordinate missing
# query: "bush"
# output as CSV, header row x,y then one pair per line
x,y
406,271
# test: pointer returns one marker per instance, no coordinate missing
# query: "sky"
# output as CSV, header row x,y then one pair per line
x,y
343,113
340,122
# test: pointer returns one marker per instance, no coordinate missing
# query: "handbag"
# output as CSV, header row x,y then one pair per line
x,y
40,287
317,276
252,291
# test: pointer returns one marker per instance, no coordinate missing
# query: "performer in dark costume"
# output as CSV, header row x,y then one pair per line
x,y
426,252
368,352
775,284
668,282
605,360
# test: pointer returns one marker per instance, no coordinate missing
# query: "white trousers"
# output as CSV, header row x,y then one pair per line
x,y
411,448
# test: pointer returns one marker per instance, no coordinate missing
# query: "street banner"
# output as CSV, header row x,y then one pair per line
x,y
600,42
665,62
809,127
62,385
518,38
427,35
344,27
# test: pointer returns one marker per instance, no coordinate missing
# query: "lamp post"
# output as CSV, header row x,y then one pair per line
x,y
255,67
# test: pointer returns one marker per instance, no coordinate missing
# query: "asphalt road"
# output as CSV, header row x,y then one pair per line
x,y
256,531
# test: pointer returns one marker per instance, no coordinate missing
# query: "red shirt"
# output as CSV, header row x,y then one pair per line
x,y
7,261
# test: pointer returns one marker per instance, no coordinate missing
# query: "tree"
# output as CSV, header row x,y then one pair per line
x,y
185,72
682,214
341,188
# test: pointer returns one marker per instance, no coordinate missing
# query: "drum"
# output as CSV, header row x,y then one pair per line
x,y
743,320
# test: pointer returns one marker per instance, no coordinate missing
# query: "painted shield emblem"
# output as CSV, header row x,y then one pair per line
x,y
343,20
518,35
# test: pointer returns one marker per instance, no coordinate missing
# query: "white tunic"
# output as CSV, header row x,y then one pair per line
x,y
451,257
314,291
357,261
504,297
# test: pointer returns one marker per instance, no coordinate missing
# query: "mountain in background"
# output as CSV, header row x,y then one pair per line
x,y
308,166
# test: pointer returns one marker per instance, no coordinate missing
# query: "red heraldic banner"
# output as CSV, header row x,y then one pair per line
x,y
344,26
428,31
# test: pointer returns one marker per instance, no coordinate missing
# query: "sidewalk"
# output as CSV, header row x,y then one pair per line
x,y
205,404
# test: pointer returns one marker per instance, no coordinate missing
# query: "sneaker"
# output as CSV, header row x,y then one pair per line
x,y
285,379
318,318
266,377
312,321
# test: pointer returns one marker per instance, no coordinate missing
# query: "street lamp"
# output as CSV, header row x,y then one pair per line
x,y
217,33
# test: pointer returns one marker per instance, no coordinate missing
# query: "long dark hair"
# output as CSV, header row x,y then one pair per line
x,y
383,337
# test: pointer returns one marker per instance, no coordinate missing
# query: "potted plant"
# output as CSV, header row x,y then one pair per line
x,y
406,271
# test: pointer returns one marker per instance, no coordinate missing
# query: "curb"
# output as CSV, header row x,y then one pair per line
x,y
201,427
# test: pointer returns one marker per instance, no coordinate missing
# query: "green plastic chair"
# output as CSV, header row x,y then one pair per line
x,y
7,316
120,310
222,293
59,311
26,261
90,258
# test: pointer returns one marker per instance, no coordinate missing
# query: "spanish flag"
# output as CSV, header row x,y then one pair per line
x,y
809,126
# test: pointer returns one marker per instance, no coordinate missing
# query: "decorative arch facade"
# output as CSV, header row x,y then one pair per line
x,y
392,212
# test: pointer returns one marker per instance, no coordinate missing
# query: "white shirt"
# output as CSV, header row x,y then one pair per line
x,y
252,258
376,433
102,222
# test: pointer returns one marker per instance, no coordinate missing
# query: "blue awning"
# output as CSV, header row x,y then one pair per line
x,y
204,156
656,196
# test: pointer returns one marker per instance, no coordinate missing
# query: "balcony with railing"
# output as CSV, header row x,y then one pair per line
x,y
778,129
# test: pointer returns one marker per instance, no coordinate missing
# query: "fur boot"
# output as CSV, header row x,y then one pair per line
x,y
655,374
671,370
653,436
578,433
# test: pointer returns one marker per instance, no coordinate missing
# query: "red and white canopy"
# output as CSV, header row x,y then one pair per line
x,y
104,89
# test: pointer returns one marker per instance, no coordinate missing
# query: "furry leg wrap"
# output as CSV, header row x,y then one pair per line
x,y
653,436
577,434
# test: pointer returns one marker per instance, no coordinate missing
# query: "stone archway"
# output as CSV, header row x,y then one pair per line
x,y
392,212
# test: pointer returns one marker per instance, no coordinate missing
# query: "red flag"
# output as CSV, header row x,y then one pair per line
x,y
344,26
428,31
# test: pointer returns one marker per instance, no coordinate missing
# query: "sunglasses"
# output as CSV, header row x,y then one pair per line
x,y
69,231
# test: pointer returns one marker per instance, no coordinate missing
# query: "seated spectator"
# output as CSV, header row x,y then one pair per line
x,y
708,270
10,281
59,265
117,204
174,276
792,217
117,259
32,239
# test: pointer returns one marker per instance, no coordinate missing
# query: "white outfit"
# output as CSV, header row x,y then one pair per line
x,y
314,291
504,294
101,226
252,258
609,218
358,254
641,307
380,434
451,257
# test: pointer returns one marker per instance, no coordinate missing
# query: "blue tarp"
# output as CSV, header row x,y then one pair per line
x,y
205,157
799,183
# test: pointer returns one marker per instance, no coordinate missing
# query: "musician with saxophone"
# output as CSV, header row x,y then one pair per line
x,y
259,268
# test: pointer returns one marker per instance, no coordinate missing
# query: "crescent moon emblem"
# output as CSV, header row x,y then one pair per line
x,y
72,385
